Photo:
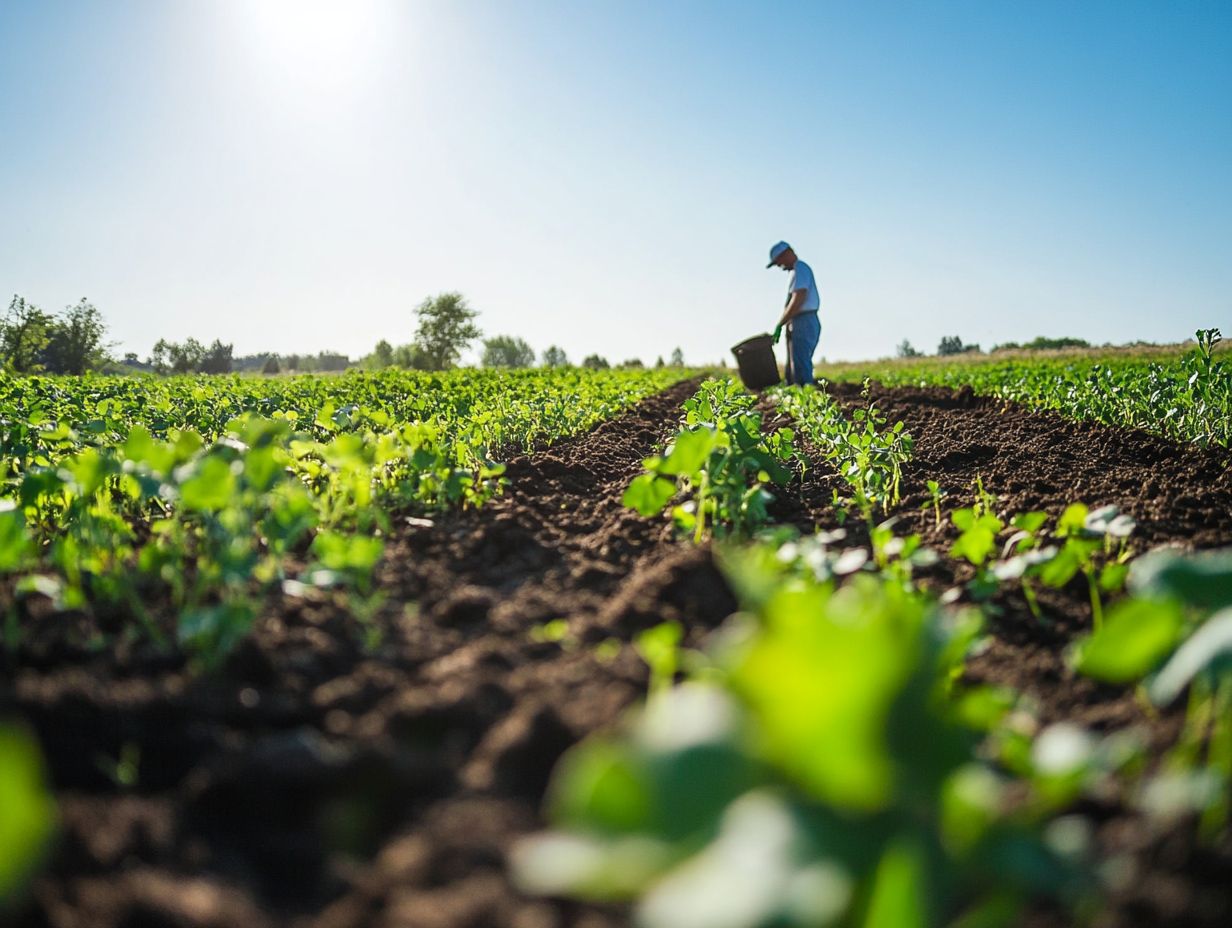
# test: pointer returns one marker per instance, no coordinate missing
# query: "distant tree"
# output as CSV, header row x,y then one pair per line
x,y
412,357
382,356
950,344
554,356
507,351
24,334
187,358
332,361
290,362
446,329
632,362
253,362
160,356
906,350
131,359
176,358
75,341
659,361
677,358
271,365
216,359
1043,343
595,362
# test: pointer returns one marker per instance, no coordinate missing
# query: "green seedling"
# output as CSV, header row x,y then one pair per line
x,y
1087,534
865,452
556,631
123,771
976,542
659,647
936,495
897,556
1022,553
720,462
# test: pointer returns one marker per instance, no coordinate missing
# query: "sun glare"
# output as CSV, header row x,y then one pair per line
x,y
320,46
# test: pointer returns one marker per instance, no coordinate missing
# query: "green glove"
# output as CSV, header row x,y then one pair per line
x,y
778,331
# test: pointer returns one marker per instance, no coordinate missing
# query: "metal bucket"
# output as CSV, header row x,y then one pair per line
x,y
755,358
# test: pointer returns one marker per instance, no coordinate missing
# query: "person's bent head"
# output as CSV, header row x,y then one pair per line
x,y
781,255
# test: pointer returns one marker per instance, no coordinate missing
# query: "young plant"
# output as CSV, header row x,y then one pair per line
x,y
659,647
721,461
936,495
824,776
1174,633
978,527
1086,535
867,454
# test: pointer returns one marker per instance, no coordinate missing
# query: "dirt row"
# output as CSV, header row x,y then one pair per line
x,y
338,773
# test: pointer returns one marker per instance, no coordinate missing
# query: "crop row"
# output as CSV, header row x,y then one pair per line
x,y
491,412
182,507
826,763
721,463
167,510
1189,399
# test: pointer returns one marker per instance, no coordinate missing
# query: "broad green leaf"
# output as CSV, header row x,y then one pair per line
x,y
15,545
900,896
1202,580
352,554
602,786
1135,636
1062,568
689,451
1030,522
1208,648
648,494
211,488
1073,519
979,536
821,679
659,647
27,812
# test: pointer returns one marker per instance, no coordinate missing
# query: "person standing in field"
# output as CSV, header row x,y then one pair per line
x,y
800,313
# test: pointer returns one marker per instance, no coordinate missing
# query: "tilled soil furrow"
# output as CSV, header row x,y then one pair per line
x,y
318,782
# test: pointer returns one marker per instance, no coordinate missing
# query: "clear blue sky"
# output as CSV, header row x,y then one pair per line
x,y
293,176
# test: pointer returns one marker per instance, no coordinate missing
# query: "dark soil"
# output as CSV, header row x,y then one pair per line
x,y
337,773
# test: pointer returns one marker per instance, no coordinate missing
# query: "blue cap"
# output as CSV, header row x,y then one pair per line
x,y
776,251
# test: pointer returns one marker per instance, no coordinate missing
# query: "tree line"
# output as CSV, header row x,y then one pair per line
x,y
952,345
447,327
75,341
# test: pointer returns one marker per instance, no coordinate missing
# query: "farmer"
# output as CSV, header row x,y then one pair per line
x,y
800,314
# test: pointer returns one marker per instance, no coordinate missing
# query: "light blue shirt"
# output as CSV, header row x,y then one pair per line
x,y
802,279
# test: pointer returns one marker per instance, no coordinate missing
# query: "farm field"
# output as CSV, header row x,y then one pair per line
x,y
575,648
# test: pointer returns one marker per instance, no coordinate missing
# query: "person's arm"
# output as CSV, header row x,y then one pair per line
x,y
795,303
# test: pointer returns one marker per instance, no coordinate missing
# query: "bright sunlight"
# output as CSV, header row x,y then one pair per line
x,y
326,48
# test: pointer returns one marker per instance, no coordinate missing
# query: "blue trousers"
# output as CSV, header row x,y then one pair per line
x,y
805,331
